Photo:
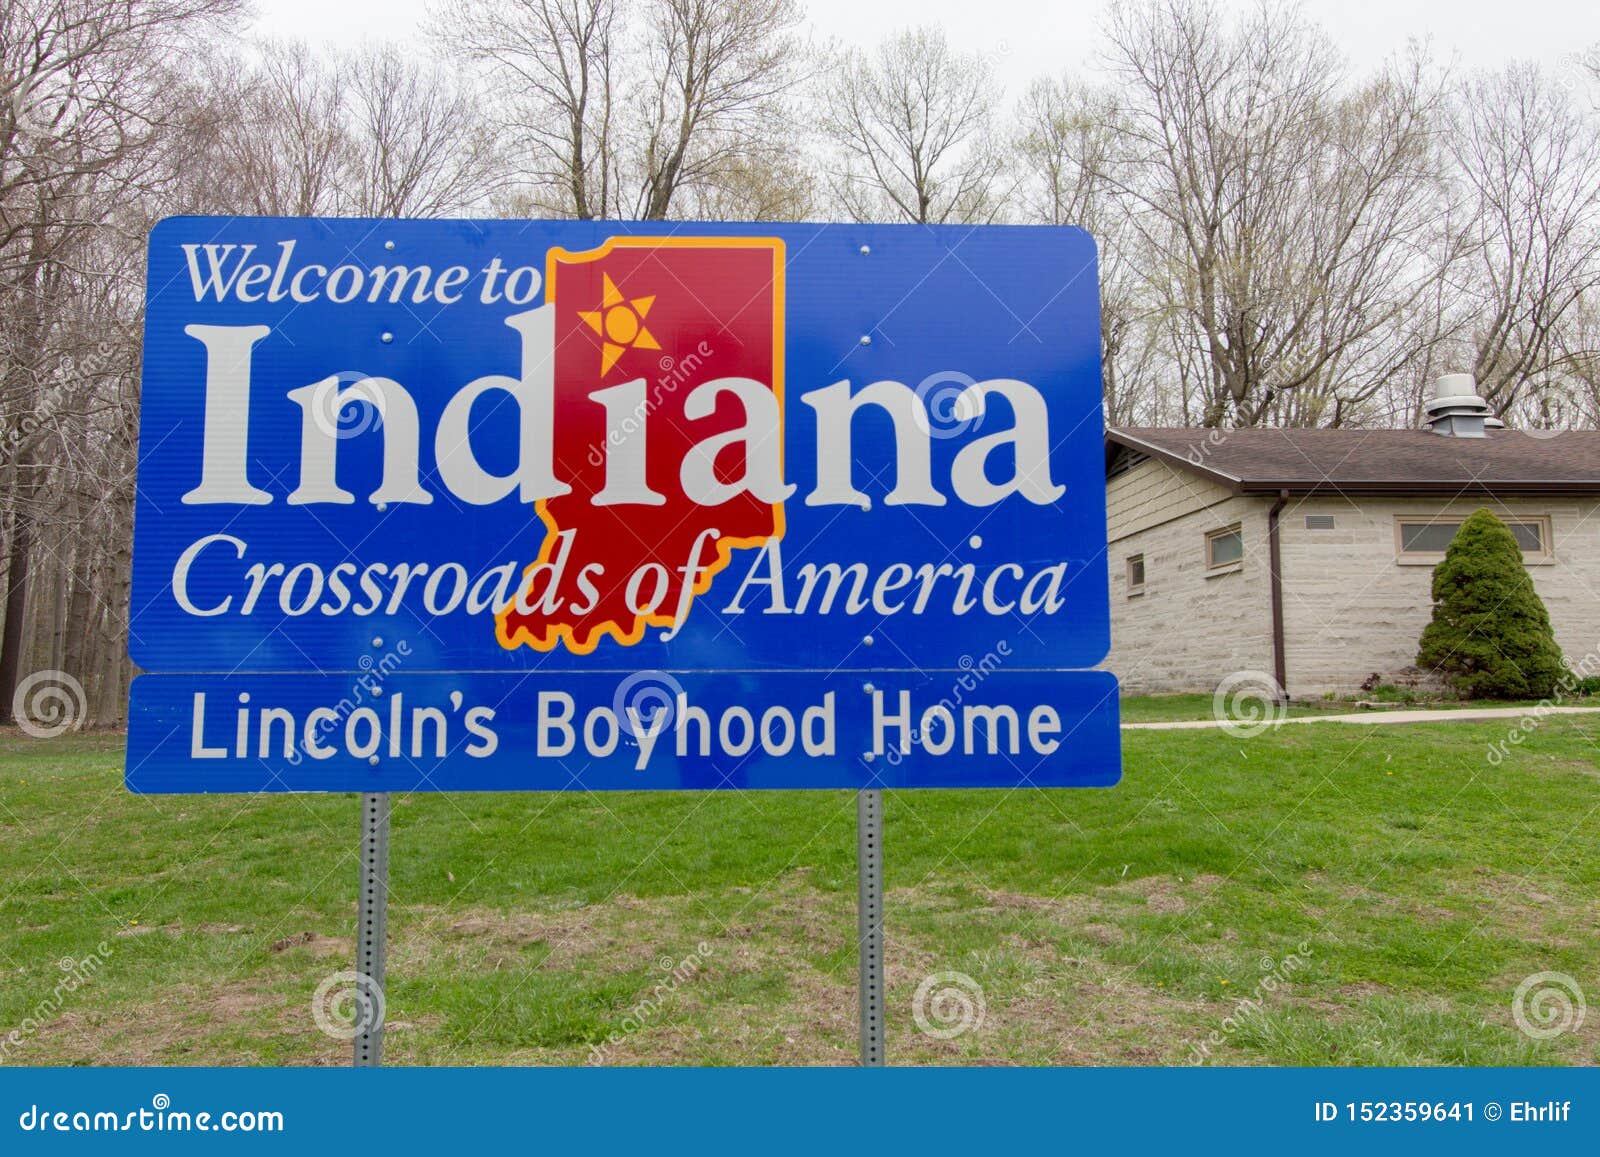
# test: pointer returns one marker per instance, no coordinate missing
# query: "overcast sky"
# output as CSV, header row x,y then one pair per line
x,y
1027,38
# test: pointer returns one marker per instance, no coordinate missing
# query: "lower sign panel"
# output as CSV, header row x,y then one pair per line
x,y
654,730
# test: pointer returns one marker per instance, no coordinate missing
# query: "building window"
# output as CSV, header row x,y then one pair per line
x,y
1135,575
1319,522
1225,549
1424,540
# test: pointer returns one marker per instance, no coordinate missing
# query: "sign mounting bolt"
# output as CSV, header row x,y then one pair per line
x,y
388,244
388,337
866,339
866,250
866,640
377,640
868,688
372,759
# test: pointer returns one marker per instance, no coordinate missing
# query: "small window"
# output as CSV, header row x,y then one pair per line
x,y
1426,540
1530,537
1426,537
1136,575
1319,522
1224,548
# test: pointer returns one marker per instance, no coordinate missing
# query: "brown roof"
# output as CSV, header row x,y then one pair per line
x,y
1303,461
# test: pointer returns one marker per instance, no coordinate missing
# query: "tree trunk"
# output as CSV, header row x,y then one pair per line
x,y
16,610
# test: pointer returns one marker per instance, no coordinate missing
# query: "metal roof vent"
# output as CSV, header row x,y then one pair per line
x,y
1456,410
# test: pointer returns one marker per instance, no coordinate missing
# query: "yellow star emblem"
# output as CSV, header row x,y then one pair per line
x,y
620,323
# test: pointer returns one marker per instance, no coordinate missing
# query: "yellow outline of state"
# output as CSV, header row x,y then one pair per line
x,y
627,637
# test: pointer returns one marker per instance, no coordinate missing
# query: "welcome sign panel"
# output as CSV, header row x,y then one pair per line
x,y
579,445
790,455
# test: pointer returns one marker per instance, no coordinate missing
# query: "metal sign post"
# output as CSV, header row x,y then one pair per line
x,y
869,921
371,922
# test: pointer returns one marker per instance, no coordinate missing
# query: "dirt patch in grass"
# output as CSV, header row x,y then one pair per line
x,y
1169,893
628,932
314,944
171,1029
492,938
1528,911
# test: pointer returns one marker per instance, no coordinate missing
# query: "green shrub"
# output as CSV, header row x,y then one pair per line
x,y
1490,636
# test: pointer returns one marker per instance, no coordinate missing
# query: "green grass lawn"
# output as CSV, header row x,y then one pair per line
x,y
1313,895
1165,708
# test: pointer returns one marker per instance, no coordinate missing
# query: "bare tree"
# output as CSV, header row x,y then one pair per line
x,y
624,109
553,66
717,70
769,186
1066,145
1572,399
277,132
1290,219
422,149
284,131
85,100
914,126
1529,155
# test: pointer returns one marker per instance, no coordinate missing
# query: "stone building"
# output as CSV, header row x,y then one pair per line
x,y
1308,554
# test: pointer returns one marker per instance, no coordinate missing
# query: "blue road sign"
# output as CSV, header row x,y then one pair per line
x,y
476,731
581,447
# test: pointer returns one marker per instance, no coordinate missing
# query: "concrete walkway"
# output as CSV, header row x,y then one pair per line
x,y
1447,715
